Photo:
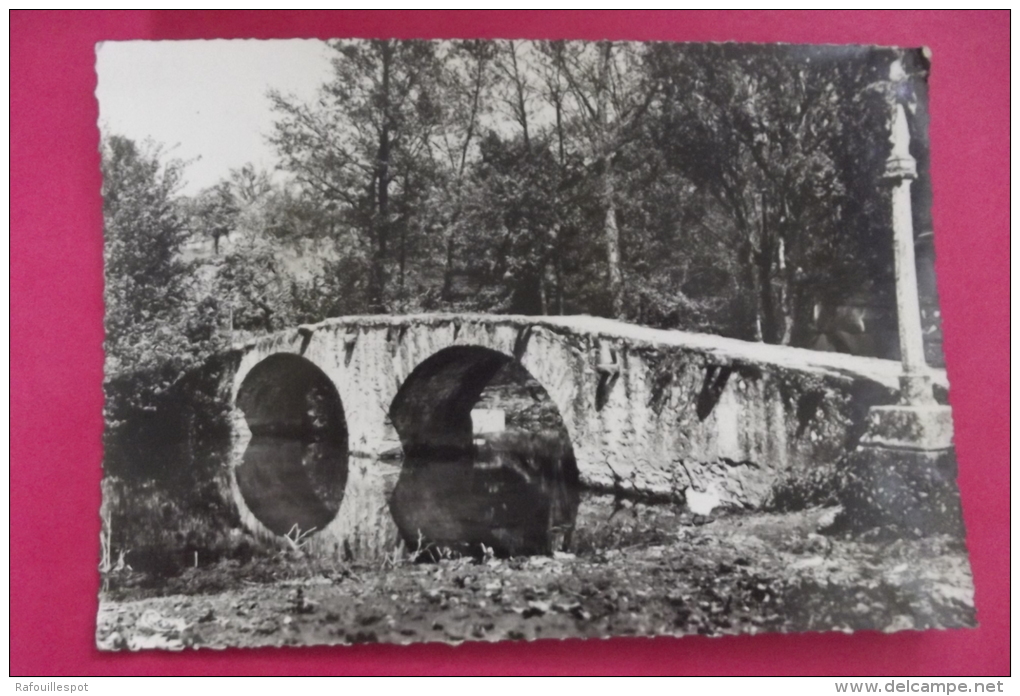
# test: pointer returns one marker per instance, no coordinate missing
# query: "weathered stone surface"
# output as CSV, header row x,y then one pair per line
x,y
909,491
677,411
910,427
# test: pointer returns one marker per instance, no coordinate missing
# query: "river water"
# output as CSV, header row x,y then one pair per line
x,y
514,492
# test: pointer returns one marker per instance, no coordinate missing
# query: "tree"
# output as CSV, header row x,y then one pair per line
x,y
362,146
724,188
467,81
775,136
512,223
151,334
609,98
680,265
516,91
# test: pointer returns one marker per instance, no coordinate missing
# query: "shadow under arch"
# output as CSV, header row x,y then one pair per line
x,y
294,470
462,486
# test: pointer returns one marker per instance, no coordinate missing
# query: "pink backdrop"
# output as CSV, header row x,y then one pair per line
x,y
57,332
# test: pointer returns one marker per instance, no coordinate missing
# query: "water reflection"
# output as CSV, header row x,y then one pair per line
x,y
294,470
516,492
288,481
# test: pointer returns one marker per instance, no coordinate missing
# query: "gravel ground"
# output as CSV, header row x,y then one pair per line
x,y
638,571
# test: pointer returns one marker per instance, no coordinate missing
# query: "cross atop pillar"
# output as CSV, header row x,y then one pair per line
x,y
900,171
902,473
917,421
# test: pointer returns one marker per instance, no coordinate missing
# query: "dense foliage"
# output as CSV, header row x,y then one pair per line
x,y
156,322
721,188
726,189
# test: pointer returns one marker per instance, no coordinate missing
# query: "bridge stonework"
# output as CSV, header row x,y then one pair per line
x,y
650,413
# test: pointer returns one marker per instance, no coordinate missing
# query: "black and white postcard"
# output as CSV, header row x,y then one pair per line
x,y
486,340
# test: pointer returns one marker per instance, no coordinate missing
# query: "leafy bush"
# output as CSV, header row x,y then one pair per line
x,y
605,524
801,490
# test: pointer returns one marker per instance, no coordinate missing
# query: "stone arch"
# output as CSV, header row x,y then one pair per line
x,y
293,471
515,491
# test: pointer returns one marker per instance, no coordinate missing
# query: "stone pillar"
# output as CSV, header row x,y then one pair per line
x,y
917,421
900,170
903,473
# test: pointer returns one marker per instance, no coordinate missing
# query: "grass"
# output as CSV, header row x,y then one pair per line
x,y
160,530
801,490
604,524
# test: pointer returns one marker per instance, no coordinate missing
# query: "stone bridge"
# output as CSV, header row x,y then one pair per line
x,y
650,413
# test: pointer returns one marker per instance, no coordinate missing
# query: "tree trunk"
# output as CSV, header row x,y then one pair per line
x,y
558,269
749,264
378,285
612,238
771,263
764,262
559,131
448,269
767,305
612,234
756,322
785,302
543,289
557,260
554,271
403,260
451,227
519,88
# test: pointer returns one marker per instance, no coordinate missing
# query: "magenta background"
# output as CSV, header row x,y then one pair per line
x,y
57,311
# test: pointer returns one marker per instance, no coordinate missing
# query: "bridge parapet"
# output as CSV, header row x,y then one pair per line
x,y
650,413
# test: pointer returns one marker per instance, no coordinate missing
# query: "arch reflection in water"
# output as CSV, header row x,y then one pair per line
x,y
294,470
462,485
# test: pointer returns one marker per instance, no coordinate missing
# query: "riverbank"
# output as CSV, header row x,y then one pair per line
x,y
641,570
